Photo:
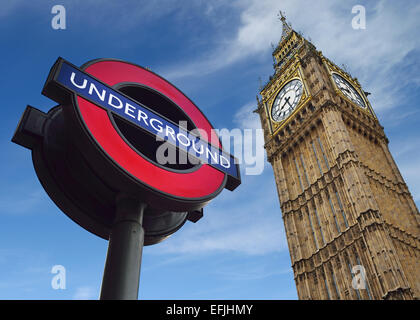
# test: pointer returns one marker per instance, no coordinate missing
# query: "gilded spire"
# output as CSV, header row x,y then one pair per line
x,y
286,26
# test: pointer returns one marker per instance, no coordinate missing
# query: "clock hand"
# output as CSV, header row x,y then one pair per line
x,y
346,89
287,101
351,93
342,86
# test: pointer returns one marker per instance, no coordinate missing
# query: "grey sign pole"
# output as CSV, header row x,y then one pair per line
x,y
123,261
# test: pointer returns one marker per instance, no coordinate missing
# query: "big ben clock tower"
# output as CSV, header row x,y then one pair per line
x,y
352,226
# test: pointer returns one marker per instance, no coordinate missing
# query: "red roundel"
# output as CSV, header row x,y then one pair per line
x,y
200,183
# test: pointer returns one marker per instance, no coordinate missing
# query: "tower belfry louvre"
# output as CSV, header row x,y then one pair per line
x,y
352,227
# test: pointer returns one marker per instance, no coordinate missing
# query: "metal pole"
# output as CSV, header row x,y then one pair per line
x,y
123,260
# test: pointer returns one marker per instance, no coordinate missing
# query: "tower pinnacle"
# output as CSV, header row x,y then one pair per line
x,y
286,26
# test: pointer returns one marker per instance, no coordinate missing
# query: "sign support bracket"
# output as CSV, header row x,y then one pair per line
x,y
122,267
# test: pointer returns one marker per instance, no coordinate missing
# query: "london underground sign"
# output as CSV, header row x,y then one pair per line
x,y
95,101
100,145
76,81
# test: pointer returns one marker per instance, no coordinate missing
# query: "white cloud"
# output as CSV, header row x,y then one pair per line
x,y
373,54
256,273
405,148
84,293
34,198
252,239
245,118
253,152
252,37
247,221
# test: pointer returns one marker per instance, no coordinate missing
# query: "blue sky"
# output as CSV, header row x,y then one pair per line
x,y
214,51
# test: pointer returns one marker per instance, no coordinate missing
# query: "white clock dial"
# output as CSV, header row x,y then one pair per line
x,y
348,90
287,100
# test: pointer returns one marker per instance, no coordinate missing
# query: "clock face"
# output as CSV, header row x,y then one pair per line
x,y
287,100
348,90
